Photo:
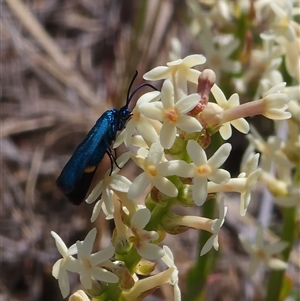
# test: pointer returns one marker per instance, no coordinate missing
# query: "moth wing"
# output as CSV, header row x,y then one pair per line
x,y
95,142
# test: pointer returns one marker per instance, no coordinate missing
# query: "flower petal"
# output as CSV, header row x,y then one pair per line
x,y
187,103
153,110
276,247
61,246
199,190
225,131
128,132
96,210
56,268
138,186
167,94
63,283
188,124
167,135
104,275
241,125
95,193
157,73
151,251
220,176
219,96
147,131
86,280
194,60
254,264
176,167
155,154
87,245
147,97
196,153
208,245
234,100
276,264
120,183
141,218
220,156
102,256
165,186
246,244
192,76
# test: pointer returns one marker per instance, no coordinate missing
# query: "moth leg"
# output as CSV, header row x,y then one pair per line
x,y
112,154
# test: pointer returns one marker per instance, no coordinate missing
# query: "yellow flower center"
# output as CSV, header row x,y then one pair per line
x,y
136,115
151,169
171,115
260,254
135,240
204,170
86,263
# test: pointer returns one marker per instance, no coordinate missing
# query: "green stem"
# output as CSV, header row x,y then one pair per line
x,y
275,282
131,259
197,275
156,216
276,278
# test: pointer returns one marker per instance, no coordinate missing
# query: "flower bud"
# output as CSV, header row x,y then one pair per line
x,y
79,296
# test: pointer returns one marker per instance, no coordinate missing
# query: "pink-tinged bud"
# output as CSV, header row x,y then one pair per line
x,y
205,82
212,115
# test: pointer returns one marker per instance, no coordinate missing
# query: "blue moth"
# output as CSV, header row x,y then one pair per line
x,y
76,177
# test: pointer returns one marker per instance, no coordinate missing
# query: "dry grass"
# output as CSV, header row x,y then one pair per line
x,y
62,64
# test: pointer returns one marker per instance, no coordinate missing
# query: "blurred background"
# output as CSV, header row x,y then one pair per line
x,y
63,63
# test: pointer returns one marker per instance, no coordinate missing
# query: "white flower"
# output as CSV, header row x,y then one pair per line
x,y
275,103
261,252
154,173
101,204
270,151
270,79
90,264
168,259
246,180
182,66
172,114
290,200
242,184
138,121
179,72
111,183
218,57
283,23
59,270
215,227
240,124
202,169
142,239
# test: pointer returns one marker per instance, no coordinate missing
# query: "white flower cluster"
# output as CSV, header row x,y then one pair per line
x,y
171,130
90,266
161,126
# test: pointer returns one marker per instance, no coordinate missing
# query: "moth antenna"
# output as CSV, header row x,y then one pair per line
x,y
129,97
139,87
129,88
